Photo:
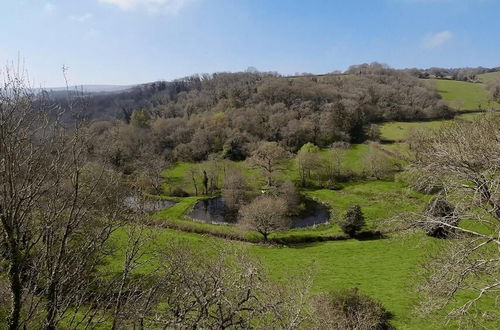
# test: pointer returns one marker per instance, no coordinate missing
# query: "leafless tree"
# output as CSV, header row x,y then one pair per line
x,y
135,295
235,189
464,159
332,168
309,162
222,287
267,157
290,194
377,163
265,214
58,208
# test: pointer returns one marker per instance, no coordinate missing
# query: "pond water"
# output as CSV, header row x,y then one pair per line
x,y
148,206
215,210
314,214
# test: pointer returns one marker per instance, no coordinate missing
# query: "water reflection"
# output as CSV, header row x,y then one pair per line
x,y
215,210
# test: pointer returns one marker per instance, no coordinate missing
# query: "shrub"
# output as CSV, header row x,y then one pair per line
x,y
438,213
349,309
178,192
353,220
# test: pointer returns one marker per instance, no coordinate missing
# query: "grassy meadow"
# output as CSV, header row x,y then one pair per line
x,y
464,95
487,77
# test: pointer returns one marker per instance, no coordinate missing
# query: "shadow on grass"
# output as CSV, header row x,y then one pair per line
x,y
296,241
369,236
305,242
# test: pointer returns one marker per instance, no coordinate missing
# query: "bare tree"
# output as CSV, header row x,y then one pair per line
x,y
222,287
135,295
235,189
265,214
332,165
373,132
377,163
309,161
58,207
494,88
290,194
464,159
267,157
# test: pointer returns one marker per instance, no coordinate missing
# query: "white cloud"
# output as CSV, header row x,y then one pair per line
x,y
151,6
436,40
81,18
49,7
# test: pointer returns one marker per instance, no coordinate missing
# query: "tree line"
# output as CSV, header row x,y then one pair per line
x,y
226,115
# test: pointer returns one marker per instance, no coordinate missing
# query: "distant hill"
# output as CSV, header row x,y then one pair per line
x,y
91,88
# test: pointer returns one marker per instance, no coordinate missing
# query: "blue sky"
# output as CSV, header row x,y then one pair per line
x,y
134,41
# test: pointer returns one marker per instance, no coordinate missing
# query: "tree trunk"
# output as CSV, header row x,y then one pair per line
x,y
51,307
205,182
15,284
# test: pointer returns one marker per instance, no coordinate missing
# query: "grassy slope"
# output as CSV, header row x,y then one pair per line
x,y
385,269
464,95
486,77
381,268
397,131
460,95
378,199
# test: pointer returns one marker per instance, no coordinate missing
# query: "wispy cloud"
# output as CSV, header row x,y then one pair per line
x,y
81,18
151,6
436,40
49,7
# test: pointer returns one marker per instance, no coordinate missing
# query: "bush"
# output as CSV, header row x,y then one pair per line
x,y
349,309
353,220
178,192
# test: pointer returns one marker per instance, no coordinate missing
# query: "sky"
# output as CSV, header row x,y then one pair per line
x,y
125,42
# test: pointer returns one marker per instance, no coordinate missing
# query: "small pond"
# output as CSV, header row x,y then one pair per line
x,y
215,210
148,206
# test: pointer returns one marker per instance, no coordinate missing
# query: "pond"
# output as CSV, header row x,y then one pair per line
x,y
148,206
214,210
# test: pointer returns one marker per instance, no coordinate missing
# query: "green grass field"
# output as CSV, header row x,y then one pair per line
x,y
464,95
379,200
487,77
398,130
386,269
